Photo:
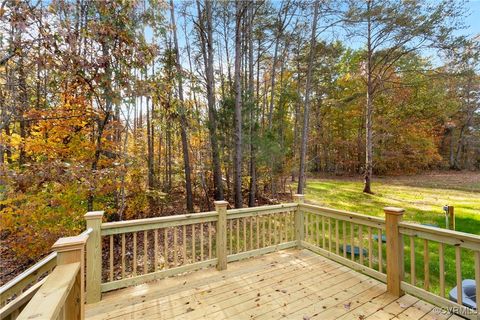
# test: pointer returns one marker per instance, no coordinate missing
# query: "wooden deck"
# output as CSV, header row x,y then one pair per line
x,y
291,284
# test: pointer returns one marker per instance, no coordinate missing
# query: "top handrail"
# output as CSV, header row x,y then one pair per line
x,y
345,215
25,274
447,236
232,213
110,228
87,232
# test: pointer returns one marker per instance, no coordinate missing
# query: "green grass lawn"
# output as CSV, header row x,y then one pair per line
x,y
422,197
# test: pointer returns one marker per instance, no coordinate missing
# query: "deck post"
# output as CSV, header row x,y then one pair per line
x,y
72,250
299,220
451,218
94,256
394,250
221,234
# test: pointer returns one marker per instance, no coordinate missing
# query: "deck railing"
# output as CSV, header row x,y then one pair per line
x,y
126,253
349,238
137,251
60,294
17,292
423,244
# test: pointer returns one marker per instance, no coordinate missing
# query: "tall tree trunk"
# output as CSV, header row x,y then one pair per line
x,y
183,117
369,109
102,123
206,36
151,178
303,147
296,118
251,95
451,148
237,184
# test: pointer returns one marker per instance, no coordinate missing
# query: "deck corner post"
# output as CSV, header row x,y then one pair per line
x,y
94,256
299,220
72,250
221,234
393,216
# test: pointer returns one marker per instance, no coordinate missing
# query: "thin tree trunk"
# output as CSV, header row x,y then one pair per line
x,y
251,95
303,147
237,184
183,117
369,110
296,118
149,149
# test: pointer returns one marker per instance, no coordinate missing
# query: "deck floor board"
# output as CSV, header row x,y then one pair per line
x,y
289,284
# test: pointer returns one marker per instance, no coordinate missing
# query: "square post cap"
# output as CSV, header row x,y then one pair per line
x,y
70,243
94,215
299,197
221,203
394,211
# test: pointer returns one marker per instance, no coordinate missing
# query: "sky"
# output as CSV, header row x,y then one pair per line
x,y
474,19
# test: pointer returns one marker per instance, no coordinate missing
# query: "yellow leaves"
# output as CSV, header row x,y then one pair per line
x,y
15,140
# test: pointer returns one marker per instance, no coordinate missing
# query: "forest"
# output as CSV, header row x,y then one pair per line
x,y
149,108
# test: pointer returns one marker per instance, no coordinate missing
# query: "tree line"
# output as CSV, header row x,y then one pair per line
x,y
150,107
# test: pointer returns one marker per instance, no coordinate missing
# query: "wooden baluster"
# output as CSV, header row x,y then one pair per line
x,y
194,246
352,241
184,244
123,255
250,220
412,261
380,251
263,232
279,228
165,247
134,262
441,253
323,233
426,264
175,246
238,235
330,234
337,236
458,269
209,240
317,229
111,258
230,233
370,248
344,236
360,243
257,232
145,252
244,234
292,226
307,227
275,228
155,248
286,217
201,242
269,230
